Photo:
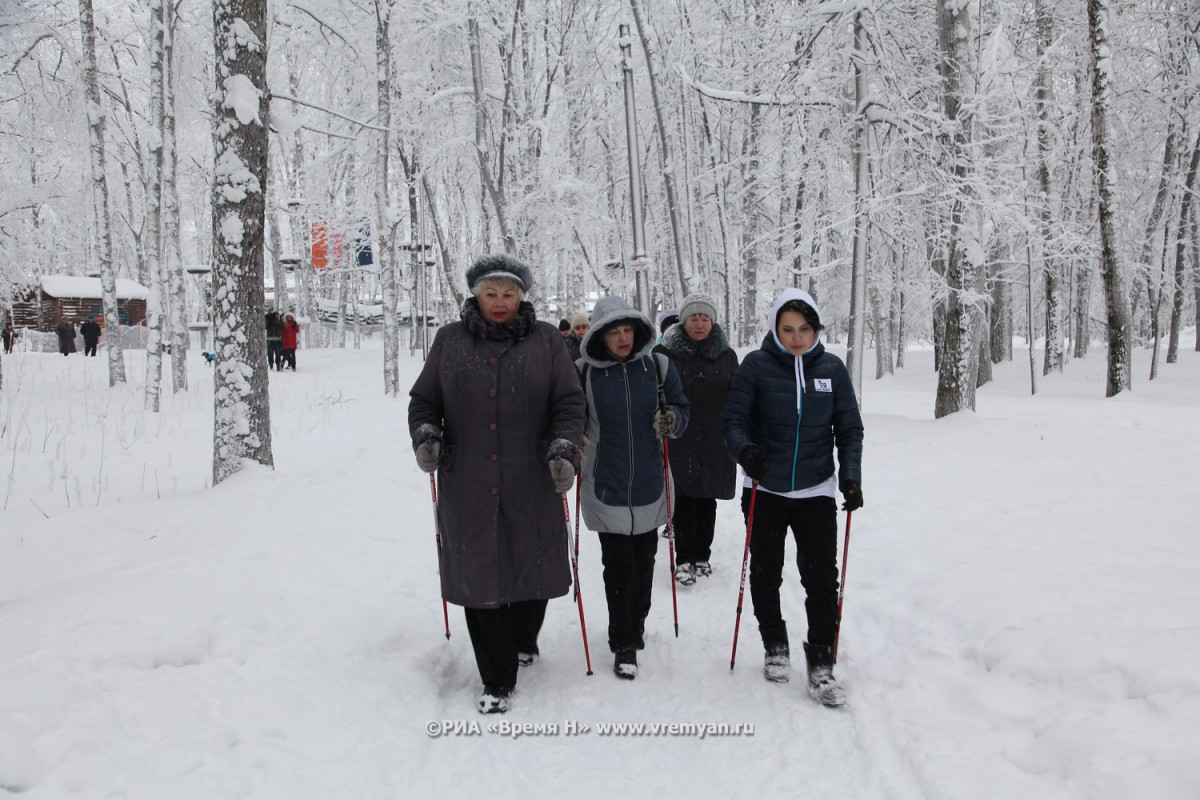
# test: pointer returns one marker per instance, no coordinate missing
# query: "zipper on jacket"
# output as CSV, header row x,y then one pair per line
x,y
796,447
629,436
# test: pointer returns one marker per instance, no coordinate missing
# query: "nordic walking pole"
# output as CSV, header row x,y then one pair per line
x,y
837,632
745,563
575,568
437,535
670,533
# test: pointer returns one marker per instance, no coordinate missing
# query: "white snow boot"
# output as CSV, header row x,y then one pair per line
x,y
822,686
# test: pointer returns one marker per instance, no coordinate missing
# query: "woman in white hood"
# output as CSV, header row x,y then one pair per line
x,y
791,405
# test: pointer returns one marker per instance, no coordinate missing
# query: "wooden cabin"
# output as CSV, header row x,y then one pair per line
x,y
52,297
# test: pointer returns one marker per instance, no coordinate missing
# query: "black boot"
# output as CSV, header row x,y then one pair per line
x,y
625,664
822,686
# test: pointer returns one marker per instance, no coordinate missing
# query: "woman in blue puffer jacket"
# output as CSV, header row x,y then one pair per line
x,y
791,405
634,399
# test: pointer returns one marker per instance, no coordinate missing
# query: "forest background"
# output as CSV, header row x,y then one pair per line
x,y
958,172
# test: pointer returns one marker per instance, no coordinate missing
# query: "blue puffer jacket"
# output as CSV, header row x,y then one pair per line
x,y
622,477
797,409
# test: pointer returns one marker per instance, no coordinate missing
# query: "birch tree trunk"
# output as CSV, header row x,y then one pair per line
x,y
386,216
1043,97
959,360
858,274
172,250
154,248
664,153
242,411
96,119
751,221
492,190
1181,241
1119,377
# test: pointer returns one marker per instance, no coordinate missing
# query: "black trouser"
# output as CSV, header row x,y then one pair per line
x,y
695,519
628,580
289,358
814,524
89,346
498,634
274,353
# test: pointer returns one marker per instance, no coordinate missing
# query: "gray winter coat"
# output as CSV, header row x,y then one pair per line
x,y
504,400
623,482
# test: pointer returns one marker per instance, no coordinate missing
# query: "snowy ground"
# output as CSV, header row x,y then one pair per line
x,y
1022,611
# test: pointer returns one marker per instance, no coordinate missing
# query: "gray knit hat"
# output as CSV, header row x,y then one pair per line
x,y
698,303
500,266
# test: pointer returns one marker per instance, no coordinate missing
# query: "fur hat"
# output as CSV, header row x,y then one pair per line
x,y
698,303
499,266
580,319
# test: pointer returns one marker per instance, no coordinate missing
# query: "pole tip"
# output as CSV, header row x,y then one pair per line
x,y
589,673
447,637
731,666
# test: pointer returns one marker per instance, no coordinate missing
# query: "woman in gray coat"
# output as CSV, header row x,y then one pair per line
x,y
634,400
497,411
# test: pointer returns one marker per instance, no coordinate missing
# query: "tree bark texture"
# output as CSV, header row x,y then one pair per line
x,y
96,120
1119,378
242,412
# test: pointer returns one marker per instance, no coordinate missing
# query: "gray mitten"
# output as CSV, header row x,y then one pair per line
x,y
429,453
563,474
664,422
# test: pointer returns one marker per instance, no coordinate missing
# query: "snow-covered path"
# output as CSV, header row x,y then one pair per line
x,y
1020,610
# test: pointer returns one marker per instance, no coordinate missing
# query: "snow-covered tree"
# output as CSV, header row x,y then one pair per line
x,y
1119,340
242,418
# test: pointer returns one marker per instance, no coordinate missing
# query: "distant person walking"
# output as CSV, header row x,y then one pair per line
x,y
10,336
289,336
579,326
66,336
274,341
91,336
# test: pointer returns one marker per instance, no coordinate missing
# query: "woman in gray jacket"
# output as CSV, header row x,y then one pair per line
x,y
497,411
634,399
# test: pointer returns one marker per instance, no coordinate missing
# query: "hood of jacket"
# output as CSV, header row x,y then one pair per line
x,y
785,296
607,313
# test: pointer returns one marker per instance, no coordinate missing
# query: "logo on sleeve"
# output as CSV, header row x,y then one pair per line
x,y
823,384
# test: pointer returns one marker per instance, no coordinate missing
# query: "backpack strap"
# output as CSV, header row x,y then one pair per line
x,y
659,358
583,378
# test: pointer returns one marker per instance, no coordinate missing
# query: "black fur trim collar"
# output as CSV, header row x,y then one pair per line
x,y
681,345
517,328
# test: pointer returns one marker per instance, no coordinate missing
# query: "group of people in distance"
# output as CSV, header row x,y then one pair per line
x,y
65,331
510,419
283,334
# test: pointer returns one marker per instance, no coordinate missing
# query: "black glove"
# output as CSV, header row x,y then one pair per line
x,y
664,422
753,462
563,474
852,494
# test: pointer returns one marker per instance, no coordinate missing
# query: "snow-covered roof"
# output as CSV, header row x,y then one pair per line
x,y
75,286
